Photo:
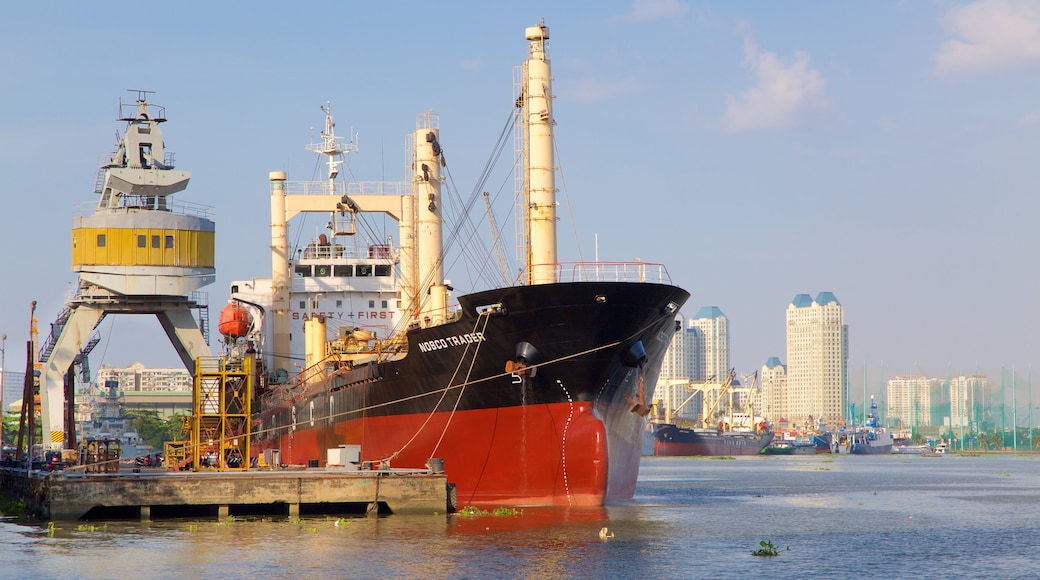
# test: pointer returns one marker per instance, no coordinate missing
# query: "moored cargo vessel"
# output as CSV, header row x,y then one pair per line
x,y
672,440
527,393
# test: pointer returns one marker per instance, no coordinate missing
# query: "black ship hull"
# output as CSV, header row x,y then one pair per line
x,y
534,395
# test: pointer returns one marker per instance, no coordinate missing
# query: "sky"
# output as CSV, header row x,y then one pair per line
x,y
884,151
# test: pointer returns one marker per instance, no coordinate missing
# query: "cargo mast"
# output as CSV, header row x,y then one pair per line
x,y
540,183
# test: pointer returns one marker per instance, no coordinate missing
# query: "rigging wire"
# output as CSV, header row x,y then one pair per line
x,y
468,206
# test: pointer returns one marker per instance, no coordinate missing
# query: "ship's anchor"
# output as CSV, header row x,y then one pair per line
x,y
635,357
640,408
526,354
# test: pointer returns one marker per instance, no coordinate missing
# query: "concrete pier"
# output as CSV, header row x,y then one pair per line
x,y
64,496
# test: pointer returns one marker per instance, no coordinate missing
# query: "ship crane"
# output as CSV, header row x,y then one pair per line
x,y
706,418
686,384
500,253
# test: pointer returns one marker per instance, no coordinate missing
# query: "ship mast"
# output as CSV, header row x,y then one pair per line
x,y
540,192
431,306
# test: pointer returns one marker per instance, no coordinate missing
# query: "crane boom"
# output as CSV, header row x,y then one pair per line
x,y
500,254
722,391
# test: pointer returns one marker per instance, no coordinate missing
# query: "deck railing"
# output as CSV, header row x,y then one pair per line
x,y
609,272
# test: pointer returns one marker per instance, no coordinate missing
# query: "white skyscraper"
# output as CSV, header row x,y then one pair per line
x,y
965,396
710,348
817,359
910,401
672,388
674,364
774,390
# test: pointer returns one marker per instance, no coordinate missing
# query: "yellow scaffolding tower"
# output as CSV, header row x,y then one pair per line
x,y
221,415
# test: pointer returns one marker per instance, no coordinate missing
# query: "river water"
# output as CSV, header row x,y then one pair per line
x,y
829,516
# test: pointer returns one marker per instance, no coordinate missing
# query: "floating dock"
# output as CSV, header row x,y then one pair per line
x,y
62,496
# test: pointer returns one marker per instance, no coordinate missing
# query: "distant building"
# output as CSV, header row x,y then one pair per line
x,y
774,389
698,353
674,363
965,400
672,388
709,345
910,401
817,360
166,391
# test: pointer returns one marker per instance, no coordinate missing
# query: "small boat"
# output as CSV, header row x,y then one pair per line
x,y
869,439
938,451
804,447
907,448
780,447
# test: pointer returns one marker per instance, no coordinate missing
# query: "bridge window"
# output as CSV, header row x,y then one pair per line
x,y
384,304
303,304
169,242
322,270
364,270
142,240
382,269
371,303
343,270
155,241
101,240
302,271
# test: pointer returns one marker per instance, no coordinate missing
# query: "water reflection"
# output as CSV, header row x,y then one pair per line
x,y
840,517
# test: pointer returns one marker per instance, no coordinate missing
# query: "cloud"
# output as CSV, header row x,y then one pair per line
x,y
651,10
783,93
472,64
1030,119
591,90
990,35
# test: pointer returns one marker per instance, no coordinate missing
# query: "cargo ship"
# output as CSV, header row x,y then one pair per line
x,y
531,392
672,440
737,434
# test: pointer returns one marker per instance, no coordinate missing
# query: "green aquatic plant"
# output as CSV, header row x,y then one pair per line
x,y
767,549
11,505
472,512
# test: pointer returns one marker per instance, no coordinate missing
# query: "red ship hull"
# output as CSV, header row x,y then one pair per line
x,y
565,429
523,462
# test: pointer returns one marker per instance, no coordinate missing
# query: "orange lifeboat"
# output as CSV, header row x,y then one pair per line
x,y
234,320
